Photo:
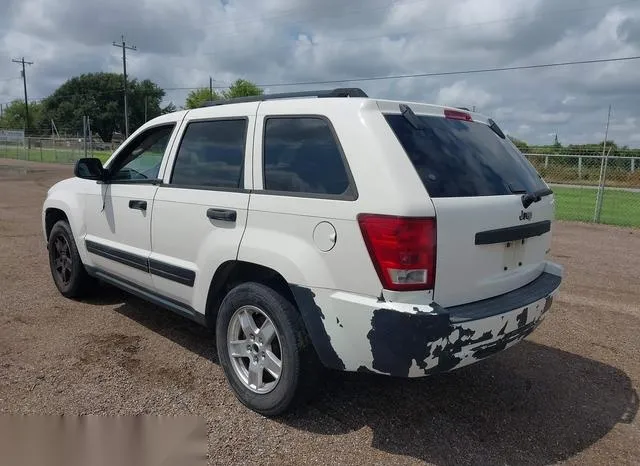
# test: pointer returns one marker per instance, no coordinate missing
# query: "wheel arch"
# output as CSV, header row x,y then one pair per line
x,y
52,215
235,272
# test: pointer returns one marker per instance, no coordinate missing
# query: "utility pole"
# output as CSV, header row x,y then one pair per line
x,y
124,48
603,171
26,101
210,87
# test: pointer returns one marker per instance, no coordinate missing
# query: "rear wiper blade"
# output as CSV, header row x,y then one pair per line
x,y
411,117
536,196
496,129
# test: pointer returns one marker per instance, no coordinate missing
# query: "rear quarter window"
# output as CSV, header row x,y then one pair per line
x,y
302,156
455,158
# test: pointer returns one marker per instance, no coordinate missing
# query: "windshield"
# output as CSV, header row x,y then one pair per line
x,y
457,158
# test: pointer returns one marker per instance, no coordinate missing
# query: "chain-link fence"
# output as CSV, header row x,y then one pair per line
x,y
55,149
588,186
594,188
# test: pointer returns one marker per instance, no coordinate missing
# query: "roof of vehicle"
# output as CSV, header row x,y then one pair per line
x,y
350,96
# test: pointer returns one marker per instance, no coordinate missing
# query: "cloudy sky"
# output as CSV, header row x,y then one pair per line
x,y
181,44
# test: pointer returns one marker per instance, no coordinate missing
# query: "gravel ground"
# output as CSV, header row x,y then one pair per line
x,y
566,394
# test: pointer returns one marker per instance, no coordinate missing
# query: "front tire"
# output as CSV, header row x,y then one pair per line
x,y
264,349
67,270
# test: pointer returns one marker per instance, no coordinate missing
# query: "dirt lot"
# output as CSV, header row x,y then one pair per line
x,y
566,394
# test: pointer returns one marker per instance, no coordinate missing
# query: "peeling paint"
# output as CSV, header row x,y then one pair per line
x,y
432,343
397,339
314,321
522,317
365,370
495,347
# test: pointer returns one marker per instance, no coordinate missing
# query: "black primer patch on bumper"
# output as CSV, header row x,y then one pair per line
x,y
313,320
397,339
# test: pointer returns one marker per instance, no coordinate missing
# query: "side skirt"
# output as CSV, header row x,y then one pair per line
x,y
148,295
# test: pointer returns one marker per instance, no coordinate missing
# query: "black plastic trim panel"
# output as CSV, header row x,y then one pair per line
x,y
538,289
172,272
504,235
126,258
161,269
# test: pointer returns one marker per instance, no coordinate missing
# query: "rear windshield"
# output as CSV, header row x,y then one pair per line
x,y
457,158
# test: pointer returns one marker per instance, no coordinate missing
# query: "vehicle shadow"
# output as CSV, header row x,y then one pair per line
x,y
532,404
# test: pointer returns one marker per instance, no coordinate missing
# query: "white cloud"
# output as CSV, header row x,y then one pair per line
x,y
276,41
461,93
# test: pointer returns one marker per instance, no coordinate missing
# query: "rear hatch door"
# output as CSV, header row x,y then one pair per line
x,y
488,241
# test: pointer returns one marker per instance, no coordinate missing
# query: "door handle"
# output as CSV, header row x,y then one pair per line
x,y
139,205
222,214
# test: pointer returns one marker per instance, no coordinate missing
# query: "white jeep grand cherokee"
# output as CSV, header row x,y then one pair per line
x,y
323,227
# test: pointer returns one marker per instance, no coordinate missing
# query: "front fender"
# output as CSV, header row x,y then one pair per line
x,y
66,196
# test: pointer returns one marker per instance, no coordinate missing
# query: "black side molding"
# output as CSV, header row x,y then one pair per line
x,y
126,258
504,235
161,269
172,272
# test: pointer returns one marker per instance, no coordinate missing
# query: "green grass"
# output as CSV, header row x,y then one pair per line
x,y
58,155
618,207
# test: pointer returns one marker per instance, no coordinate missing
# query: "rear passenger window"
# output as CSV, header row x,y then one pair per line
x,y
211,154
301,155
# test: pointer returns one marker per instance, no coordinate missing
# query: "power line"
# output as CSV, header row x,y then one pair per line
x,y
124,47
427,75
390,77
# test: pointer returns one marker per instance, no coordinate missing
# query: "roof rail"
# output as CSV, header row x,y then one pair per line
x,y
339,92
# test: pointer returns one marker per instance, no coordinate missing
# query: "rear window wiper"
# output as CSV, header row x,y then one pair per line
x,y
536,196
496,129
413,119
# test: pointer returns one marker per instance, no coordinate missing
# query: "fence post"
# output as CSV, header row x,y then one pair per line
x,y
633,164
41,151
546,161
579,167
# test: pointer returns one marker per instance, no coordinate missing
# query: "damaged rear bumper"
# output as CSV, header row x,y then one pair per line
x,y
356,333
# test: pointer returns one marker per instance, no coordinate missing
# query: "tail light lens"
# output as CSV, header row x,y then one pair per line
x,y
402,249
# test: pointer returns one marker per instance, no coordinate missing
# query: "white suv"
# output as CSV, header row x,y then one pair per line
x,y
317,229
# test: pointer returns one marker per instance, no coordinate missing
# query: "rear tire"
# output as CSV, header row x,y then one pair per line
x,y
248,313
67,269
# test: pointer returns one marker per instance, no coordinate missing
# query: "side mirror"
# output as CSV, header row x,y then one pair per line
x,y
89,169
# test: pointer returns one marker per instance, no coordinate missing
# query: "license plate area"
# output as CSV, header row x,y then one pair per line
x,y
513,255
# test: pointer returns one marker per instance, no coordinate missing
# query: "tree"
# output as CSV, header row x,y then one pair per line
x,y
520,144
13,116
99,96
197,97
242,88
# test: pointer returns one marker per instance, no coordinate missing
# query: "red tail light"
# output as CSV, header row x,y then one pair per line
x,y
402,249
457,115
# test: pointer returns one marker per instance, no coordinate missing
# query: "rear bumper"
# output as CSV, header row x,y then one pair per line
x,y
356,333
